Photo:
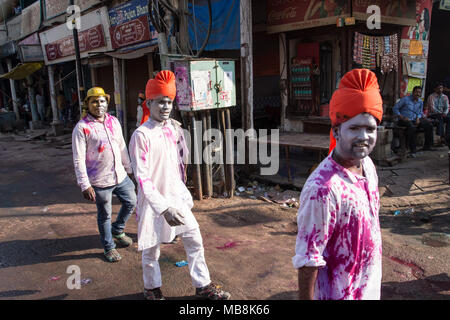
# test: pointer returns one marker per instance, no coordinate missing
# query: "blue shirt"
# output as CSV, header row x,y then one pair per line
x,y
409,108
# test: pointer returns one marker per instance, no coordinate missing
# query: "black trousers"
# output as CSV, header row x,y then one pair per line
x,y
411,133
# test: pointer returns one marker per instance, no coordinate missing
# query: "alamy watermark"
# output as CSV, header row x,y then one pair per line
x,y
209,147
74,18
74,280
374,20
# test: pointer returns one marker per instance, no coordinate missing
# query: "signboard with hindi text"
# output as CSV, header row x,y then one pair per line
x,y
130,25
58,45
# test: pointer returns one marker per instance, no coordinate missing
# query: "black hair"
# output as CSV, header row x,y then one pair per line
x,y
416,87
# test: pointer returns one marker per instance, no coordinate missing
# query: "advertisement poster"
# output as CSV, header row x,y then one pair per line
x,y
290,15
420,31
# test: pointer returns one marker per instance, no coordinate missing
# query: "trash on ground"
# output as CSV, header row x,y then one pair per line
x,y
85,281
241,189
55,278
400,212
181,263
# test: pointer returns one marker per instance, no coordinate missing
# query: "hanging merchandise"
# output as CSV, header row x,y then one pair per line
x,y
357,48
389,60
376,52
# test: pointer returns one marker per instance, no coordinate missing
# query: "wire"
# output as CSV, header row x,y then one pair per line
x,y
151,13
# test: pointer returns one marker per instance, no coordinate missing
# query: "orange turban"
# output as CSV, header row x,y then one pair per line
x,y
358,92
163,84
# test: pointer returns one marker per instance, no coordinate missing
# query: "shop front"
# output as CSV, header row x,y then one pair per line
x,y
58,47
319,42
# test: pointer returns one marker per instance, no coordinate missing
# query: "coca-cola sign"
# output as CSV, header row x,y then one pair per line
x,y
285,15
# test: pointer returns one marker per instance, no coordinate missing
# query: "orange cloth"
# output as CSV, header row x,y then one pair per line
x,y
163,84
145,112
358,92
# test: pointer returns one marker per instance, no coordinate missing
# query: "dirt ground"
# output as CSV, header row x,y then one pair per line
x,y
47,227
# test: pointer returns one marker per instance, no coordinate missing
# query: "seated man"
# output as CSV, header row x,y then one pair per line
x,y
410,115
437,105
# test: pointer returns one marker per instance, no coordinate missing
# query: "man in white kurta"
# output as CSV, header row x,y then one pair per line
x,y
157,149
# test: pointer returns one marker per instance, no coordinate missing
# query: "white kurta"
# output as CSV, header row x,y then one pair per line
x,y
156,152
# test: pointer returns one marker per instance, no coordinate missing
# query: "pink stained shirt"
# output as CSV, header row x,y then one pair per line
x,y
158,152
100,154
339,232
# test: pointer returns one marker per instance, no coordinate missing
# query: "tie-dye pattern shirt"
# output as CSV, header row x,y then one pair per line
x,y
100,154
339,231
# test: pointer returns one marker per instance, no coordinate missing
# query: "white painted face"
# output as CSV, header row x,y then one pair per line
x,y
356,138
98,106
160,108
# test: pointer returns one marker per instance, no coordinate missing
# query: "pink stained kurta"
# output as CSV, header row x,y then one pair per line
x,y
157,150
339,232
100,154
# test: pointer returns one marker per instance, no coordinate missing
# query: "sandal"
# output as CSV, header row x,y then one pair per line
x,y
123,240
112,255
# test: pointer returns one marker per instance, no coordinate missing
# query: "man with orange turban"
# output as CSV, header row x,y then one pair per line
x,y
338,247
158,153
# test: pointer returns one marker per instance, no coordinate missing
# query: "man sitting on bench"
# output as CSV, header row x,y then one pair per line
x,y
410,115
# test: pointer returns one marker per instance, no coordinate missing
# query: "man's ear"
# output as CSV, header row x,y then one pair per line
x,y
335,132
148,103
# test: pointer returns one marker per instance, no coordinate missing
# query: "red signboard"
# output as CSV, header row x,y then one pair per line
x,y
286,15
89,39
131,32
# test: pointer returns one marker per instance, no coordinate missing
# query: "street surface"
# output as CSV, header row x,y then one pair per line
x,y
47,227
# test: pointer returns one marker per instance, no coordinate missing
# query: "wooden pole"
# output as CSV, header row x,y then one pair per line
x,y
123,101
230,183
195,160
206,166
117,91
246,64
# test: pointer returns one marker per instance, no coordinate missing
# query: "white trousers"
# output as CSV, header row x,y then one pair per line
x,y
193,245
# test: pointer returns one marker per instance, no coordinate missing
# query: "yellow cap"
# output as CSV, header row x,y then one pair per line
x,y
95,92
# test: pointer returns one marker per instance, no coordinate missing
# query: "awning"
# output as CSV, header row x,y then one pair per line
x,y
132,54
23,70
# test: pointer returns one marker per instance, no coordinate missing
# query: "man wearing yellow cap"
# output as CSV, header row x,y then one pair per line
x,y
101,164
158,154
338,247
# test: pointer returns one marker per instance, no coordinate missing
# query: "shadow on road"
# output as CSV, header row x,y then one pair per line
x,y
28,252
427,288
17,293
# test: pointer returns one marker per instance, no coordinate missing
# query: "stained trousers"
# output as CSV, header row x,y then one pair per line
x,y
193,245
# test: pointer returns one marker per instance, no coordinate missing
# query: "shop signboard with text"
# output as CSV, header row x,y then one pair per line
x,y
130,25
288,15
58,43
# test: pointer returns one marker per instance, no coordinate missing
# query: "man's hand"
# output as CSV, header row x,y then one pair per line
x,y
173,217
89,194
417,121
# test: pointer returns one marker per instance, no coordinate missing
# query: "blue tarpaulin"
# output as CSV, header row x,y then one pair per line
x,y
225,30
